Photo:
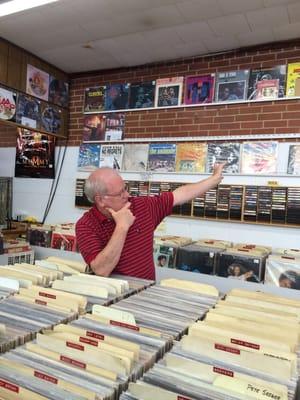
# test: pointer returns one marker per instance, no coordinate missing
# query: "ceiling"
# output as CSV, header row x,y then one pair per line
x,y
86,35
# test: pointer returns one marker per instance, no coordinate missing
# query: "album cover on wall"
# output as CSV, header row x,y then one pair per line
x,y
232,85
168,92
258,75
8,104
135,157
88,157
117,96
51,119
58,92
28,111
94,99
162,157
114,126
199,89
228,153
267,89
294,160
80,198
94,128
142,95
111,155
191,157
293,80
34,154
37,82
259,157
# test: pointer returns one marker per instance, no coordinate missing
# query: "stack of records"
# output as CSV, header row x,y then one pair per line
x,y
157,188
264,203
242,264
293,206
210,210
246,348
200,256
283,271
250,203
169,307
165,249
135,284
223,198
279,205
236,202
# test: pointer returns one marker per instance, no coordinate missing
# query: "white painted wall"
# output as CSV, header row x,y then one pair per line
x,y
30,197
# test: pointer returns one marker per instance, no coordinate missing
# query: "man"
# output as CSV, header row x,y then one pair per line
x,y
116,234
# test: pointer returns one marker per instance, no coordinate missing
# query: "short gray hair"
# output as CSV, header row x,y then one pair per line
x,y
93,187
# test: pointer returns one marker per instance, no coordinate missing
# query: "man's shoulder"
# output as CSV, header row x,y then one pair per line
x,y
87,218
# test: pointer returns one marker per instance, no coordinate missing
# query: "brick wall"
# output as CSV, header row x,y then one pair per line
x,y
248,118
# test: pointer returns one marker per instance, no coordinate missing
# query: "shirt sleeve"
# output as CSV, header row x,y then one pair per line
x,y
160,207
88,241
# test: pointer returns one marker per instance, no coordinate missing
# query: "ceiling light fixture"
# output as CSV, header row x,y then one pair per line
x,y
14,6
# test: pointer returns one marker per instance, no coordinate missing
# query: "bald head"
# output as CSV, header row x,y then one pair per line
x,y
100,182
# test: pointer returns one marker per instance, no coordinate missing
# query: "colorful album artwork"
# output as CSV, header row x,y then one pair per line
x,y
114,126
191,157
263,74
88,157
228,153
117,96
293,80
294,160
34,154
51,119
168,92
28,111
199,89
162,157
111,155
94,128
259,157
58,92
8,104
94,99
267,89
37,82
232,85
142,95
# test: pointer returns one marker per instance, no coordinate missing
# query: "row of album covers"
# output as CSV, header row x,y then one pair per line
x,y
189,157
255,84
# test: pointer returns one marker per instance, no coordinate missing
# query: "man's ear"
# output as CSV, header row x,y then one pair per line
x,y
99,201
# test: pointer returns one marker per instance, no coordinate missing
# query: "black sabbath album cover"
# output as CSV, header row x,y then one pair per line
x,y
51,119
142,95
58,92
8,104
28,111
34,154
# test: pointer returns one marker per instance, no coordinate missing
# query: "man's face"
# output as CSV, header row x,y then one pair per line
x,y
117,194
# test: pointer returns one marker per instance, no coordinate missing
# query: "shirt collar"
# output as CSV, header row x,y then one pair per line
x,y
98,214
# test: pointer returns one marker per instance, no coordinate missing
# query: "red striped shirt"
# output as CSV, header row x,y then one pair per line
x,y
93,231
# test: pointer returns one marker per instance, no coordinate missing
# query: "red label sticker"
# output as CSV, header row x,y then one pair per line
x,y
73,362
9,386
88,341
75,346
95,335
50,296
40,302
223,371
227,348
45,377
245,344
124,325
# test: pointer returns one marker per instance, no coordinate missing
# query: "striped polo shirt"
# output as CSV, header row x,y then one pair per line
x,y
93,231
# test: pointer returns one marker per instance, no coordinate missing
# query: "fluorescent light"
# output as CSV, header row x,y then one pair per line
x,y
14,6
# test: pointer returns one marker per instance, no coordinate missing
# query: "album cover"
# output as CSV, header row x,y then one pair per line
x,y
39,236
162,259
162,157
88,157
58,92
191,157
94,99
114,126
94,128
135,157
223,152
80,198
8,104
142,95
117,96
293,80
111,155
199,89
259,157
257,75
168,92
37,82
51,119
63,241
232,85
294,160
194,258
267,89
28,111
283,271
34,154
